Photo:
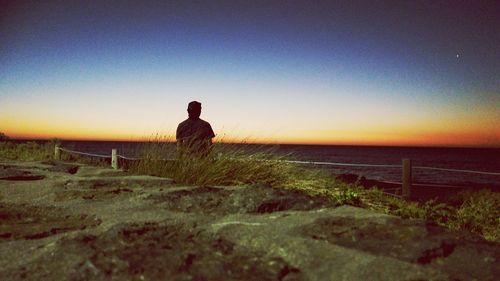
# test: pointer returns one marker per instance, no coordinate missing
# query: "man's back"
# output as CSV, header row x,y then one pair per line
x,y
193,134
194,128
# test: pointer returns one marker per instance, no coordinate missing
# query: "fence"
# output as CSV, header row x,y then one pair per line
x,y
406,167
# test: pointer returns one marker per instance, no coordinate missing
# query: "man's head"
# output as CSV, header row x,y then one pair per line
x,y
194,109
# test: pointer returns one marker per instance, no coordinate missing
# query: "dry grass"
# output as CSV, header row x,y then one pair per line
x,y
29,151
476,212
237,164
225,164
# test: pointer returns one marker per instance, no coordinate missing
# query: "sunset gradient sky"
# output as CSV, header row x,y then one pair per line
x,y
354,72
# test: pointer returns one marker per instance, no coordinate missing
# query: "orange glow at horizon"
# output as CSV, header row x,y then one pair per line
x,y
120,117
329,73
388,136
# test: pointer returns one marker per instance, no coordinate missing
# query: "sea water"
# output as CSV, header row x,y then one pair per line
x,y
474,159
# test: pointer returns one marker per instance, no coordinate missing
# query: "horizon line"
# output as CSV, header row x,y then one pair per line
x,y
493,146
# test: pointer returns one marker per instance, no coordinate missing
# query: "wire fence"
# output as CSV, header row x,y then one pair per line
x,y
390,166
129,158
457,170
85,153
341,164
317,163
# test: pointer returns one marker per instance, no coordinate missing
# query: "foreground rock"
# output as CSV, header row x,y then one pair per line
x,y
89,223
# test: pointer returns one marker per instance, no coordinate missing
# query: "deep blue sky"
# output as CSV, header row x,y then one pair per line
x,y
409,72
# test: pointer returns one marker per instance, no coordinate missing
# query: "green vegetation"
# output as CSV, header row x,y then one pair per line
x,y
3,137
36,151
229,164
480,213
476,212
224,164
29,151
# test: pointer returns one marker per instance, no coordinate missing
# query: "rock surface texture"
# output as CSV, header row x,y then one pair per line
x,y
67,222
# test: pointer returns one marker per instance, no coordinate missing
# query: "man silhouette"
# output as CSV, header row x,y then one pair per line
x,y
193,134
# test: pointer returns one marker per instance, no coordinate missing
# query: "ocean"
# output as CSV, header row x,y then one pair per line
x,y
474,159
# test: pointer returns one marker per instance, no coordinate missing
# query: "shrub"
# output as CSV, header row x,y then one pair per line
x,y
233,165
480,213
3,137
29,151
223,165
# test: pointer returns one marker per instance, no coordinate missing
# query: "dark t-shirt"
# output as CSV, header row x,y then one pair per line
x,y
194,129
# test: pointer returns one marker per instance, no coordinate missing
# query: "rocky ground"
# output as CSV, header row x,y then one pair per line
x,y
74,222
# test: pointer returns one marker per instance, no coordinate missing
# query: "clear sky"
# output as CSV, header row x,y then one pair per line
x,y
353,72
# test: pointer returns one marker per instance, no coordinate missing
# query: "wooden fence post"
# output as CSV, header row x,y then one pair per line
x,y
114,159
57,152
406,178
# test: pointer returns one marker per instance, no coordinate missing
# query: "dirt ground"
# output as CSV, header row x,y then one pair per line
x,y
65,221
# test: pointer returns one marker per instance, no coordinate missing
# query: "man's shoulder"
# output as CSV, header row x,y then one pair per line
x,y
197,123
190,127
185,122
204,122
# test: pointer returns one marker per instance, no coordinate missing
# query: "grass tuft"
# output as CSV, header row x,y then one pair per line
x,y
480,213
29,151
4,137
240,164
476,212
226,164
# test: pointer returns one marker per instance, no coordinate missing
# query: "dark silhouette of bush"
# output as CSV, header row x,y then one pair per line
x,y
3,137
